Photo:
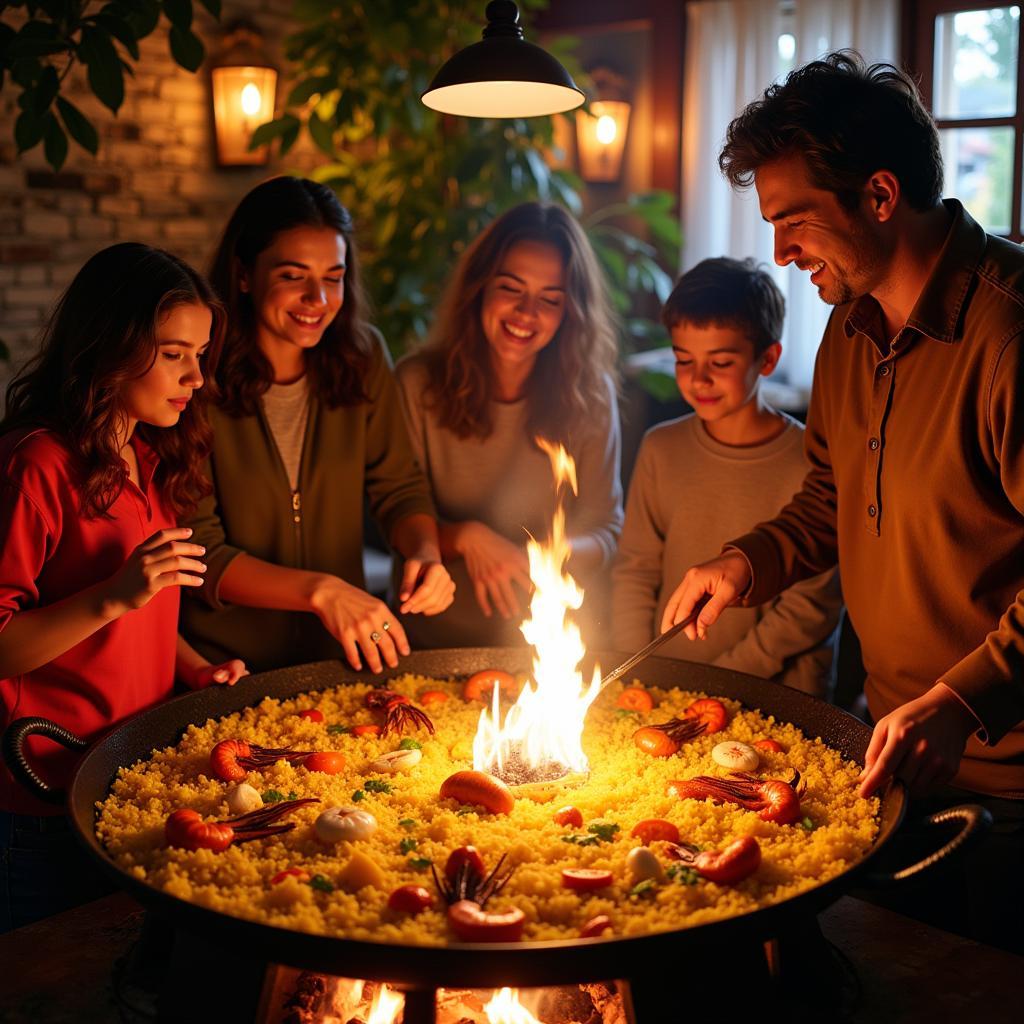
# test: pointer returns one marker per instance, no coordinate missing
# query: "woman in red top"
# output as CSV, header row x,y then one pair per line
x,y
99,457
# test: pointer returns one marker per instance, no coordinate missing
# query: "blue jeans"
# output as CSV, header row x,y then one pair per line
x,y
43,870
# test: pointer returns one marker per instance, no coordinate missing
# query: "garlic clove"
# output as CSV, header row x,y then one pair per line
x,y
344,824
397,761
642,864
243,798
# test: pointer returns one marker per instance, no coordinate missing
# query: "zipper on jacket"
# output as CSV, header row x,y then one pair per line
x,y
296,507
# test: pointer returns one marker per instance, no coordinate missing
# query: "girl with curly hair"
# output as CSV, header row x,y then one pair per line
x,y
100,448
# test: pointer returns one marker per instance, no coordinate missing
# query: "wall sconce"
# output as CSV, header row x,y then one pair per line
x,y
601,140
244,86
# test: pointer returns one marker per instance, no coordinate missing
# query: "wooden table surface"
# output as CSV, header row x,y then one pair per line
x,y
60,970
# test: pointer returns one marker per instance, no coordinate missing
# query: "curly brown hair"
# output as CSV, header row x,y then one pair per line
x,y
337,365
569,380
846,119
100,337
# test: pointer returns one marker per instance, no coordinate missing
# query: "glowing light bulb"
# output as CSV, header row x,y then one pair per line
x,y
251,100
606,129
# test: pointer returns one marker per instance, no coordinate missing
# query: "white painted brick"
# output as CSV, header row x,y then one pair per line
x,y
119,206
94,227
43,224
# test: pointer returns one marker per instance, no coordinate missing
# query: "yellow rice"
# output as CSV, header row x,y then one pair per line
x,y
624,787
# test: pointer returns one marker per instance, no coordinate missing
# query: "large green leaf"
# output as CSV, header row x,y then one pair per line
x,y
213,6
79,127
179,13
119,28
274,130
42,94
55,142
106,78
321,133
186,48
28,130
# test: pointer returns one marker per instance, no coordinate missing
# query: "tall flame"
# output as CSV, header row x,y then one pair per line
x,y
385,1006
545,726
505,1008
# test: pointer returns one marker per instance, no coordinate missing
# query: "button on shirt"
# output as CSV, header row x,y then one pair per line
x,y
49,551
916,446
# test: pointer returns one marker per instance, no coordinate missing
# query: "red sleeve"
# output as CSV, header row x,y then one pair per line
x,y
26,540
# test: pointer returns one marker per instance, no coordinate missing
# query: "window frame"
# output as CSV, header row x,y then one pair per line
x,y
922,58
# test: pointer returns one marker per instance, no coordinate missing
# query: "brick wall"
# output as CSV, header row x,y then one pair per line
x,y
155,179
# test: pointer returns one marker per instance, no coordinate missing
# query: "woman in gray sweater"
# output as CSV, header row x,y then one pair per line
x,y
522,347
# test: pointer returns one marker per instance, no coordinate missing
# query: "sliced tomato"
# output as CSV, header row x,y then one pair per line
x,y
596,926
653,830
569,816
770,745
429,697
633,698
312,714
410,899
479,685
299,873
709,711
366,730
464,855
473,924
585,879
330,762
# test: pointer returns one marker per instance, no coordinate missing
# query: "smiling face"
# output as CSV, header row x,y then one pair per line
x,y
523,306
160,395
844,250
717,371
297,287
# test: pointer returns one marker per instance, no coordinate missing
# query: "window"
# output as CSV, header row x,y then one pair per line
x,y
971,81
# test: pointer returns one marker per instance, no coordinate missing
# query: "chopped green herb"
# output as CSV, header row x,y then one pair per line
x,y
624,713
410,744
337,730
408,845
578,839
377,786
644,887
419,863
321,884
357,796
604,830
408,823
807,825
682,874
272,796
292,795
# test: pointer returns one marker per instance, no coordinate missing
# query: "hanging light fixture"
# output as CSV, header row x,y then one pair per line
x,y
244,83
502,75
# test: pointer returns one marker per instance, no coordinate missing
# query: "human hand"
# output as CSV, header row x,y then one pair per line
x,y
426,587
360,623
163,560
494,564
227,673
723,578
921,742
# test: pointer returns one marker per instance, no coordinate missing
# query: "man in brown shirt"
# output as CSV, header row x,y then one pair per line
x,y
915,432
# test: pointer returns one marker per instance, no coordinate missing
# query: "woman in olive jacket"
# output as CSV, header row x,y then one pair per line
x,y
307,422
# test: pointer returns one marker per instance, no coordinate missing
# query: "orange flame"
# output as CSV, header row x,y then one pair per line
x,y
545,726
385,1007
505,1008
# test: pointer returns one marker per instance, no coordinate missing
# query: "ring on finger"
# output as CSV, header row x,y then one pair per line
x,y
385,625
375,636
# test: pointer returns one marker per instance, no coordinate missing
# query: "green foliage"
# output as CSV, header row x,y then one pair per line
x,y
422,185
54,35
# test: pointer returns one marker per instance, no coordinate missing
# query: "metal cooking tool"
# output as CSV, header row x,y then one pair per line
x,y
645,652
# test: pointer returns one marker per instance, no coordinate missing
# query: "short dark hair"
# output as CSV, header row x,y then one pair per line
x,y
847,120
724,292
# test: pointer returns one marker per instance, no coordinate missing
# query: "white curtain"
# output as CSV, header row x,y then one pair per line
x,y
732,55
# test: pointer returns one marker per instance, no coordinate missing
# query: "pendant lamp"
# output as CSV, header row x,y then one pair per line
x,y
502,75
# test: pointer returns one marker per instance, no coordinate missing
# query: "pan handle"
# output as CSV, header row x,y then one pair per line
x,y
13,745
974,819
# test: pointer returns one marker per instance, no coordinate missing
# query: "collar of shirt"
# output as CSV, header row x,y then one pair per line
x,y
936,314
